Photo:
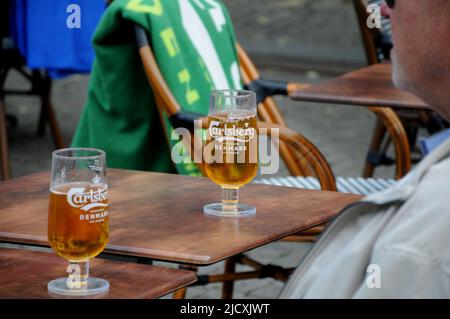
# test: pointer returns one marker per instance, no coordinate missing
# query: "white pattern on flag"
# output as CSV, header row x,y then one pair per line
x,y
201,40
236,76
217,15
200,4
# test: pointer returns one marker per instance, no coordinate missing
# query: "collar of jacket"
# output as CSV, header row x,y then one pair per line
x,y
404,188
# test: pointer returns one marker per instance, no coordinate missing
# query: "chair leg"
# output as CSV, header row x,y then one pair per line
x,y
4,156
377,138
42,120
47,112
227,288
180,293
51,118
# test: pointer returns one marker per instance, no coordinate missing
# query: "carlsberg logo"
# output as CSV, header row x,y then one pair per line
x,y
78,198
238,134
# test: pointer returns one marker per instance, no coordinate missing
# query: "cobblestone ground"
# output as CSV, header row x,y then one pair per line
x,y
296,40
305,31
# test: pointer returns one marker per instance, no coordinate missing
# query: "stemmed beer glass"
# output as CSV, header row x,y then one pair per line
x,y
231,151
78,217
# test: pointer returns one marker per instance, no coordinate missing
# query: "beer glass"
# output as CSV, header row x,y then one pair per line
x,y
78,217
231,150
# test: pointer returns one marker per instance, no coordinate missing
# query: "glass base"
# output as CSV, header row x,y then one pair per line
x,y
94,286
232,210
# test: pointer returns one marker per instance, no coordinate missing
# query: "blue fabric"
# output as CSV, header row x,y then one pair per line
x,y
428,144
41,34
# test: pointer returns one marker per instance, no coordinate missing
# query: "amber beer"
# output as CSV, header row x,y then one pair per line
x,y
78,220
233,157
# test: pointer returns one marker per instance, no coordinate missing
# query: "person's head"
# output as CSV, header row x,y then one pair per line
x,y
421,54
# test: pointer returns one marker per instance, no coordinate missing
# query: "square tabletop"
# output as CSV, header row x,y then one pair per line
x,y
369,86
25,274
160,216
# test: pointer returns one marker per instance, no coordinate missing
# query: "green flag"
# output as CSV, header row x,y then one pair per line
x,y
194,44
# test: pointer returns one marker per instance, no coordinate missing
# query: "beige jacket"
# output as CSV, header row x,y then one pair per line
x,y
392,244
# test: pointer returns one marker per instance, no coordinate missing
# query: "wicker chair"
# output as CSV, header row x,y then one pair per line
x,y
377,45
40,86
299,154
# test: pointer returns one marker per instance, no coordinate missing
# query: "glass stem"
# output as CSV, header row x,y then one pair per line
x,y
230,198
78,274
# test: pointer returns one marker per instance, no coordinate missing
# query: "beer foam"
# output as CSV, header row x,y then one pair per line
x,y
63,189
235,114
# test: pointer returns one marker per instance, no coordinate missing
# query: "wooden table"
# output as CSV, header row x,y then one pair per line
x,y
160,216
25,274
369,86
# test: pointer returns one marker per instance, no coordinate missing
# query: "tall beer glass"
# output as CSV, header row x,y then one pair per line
x,y
78,217
231,151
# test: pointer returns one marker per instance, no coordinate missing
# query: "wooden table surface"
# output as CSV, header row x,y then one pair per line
x,y
160,216
369,86
25,274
